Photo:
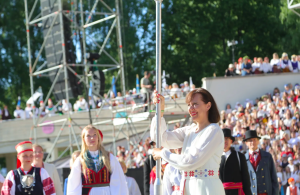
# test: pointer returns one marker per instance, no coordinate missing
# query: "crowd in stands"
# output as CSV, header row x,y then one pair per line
x,y
63,106
275,116
246,66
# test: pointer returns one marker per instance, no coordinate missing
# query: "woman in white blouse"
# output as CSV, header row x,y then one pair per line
x,y
275,60
202,145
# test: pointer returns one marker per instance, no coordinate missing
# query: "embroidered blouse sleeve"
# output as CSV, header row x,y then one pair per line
x,y
197,155
8,187
74,182
48,184
170,140
118,184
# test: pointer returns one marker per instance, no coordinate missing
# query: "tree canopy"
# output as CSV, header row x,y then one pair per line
x,y
194,35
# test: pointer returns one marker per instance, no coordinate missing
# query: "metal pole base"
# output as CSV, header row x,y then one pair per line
x,y
158,186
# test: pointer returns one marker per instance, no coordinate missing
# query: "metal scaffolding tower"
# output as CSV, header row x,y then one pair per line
x,y
129,126
293,6
81,19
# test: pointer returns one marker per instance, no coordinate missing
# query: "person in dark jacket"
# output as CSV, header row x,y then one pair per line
x,y
5,113
148,166
261,167
230,71
233,169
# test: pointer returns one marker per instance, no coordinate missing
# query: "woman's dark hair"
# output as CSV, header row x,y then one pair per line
x,y
213,112
276,90
227,105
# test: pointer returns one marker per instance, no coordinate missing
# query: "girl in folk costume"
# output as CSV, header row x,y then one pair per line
x,y
38,154
292,189
295,64
133,187
275,60
95,171
27,180
202,145
172,178
285,63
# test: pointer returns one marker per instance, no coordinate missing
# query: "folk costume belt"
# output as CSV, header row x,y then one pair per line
x,y
198,174
201,174
234,186
176,188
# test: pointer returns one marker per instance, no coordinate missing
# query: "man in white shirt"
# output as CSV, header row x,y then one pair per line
x,y
66,106
291,164
266,66
81,103
262,111
28,110
19,113
294,140
287,121
175,91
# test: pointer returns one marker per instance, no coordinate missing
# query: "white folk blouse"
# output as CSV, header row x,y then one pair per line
x,y
201,153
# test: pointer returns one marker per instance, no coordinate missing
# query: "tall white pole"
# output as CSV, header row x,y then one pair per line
x,y
158,182
30,70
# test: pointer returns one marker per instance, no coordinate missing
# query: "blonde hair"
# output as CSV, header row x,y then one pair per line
x,y
72,160
259,59
84,148
36,145
123,165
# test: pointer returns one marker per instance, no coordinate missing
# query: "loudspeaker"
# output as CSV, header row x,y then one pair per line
x,y
54,51
98,83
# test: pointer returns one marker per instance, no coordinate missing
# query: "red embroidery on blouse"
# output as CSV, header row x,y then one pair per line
x,y
6,187
48,186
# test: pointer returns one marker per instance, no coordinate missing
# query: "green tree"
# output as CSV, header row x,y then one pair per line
x,y
14,70
290,41
195,34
